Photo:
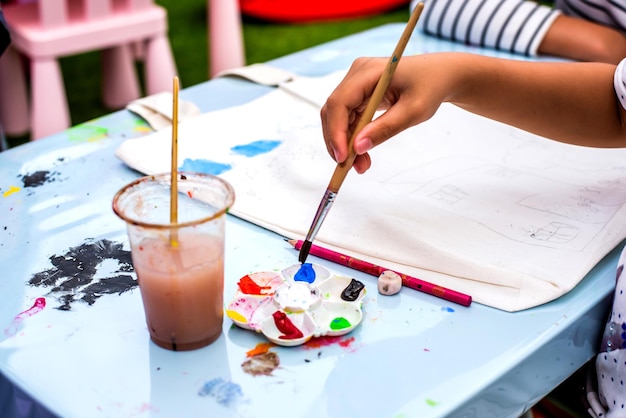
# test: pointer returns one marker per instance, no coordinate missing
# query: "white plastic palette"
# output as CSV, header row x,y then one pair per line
x,y
300,302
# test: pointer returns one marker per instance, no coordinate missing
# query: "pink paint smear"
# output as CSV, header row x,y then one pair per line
x,y
38,306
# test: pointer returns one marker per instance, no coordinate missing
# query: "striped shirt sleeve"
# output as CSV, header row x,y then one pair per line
x,y
619,82
516,26
610,13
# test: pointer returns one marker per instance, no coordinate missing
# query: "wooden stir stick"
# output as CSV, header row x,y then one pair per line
x,y
174,167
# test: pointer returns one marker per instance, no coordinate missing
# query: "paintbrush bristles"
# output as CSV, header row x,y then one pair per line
x,y
304,251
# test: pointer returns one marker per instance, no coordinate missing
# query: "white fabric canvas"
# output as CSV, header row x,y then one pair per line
x,y
513,219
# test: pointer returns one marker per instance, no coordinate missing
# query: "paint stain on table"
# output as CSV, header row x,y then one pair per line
x,y
262,364
224,392
325,341
431,402
87,132
260,348
11,190
38,178
37,307
73,275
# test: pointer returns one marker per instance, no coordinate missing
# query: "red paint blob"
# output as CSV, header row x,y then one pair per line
x,y
285,326
250,287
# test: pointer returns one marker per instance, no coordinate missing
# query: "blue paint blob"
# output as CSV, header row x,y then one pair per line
x,y
204,166
255,148
305,274
225,393
447,309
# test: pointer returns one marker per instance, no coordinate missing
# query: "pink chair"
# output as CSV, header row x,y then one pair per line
x,y
45,30
225,36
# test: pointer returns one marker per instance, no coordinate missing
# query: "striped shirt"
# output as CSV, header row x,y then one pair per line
x,y
516,26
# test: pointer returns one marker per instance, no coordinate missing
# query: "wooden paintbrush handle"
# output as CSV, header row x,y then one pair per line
x,y
341,171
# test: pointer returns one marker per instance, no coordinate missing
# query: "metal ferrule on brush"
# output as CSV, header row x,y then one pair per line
x,y
322,211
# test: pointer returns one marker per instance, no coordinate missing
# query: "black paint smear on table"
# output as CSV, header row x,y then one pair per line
x,y
38,178
72,277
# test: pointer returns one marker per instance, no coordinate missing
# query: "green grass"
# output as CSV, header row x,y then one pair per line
x,y
188,34
263,40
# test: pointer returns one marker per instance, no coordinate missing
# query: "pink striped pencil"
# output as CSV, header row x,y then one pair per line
x,y
374,270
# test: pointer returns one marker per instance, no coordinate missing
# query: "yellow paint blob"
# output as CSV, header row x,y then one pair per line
x,y
236,316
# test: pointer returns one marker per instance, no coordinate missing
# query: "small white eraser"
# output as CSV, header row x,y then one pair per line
x,y
389,283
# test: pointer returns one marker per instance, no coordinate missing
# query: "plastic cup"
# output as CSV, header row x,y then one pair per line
x,y
179,267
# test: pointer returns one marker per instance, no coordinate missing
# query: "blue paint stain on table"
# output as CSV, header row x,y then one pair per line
x,y
224,392
255,148
204,166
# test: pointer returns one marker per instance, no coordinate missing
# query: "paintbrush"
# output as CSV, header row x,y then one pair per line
x,y
342,168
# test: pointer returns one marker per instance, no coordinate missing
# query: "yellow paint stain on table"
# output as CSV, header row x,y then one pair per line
x,y
12,189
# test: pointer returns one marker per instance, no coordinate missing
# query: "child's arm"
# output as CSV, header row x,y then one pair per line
x,y
569,102
582,40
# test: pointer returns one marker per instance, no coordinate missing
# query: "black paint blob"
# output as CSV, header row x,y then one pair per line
x,y
72,276
352,291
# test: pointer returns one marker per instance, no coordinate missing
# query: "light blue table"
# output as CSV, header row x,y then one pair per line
x,y
414,355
